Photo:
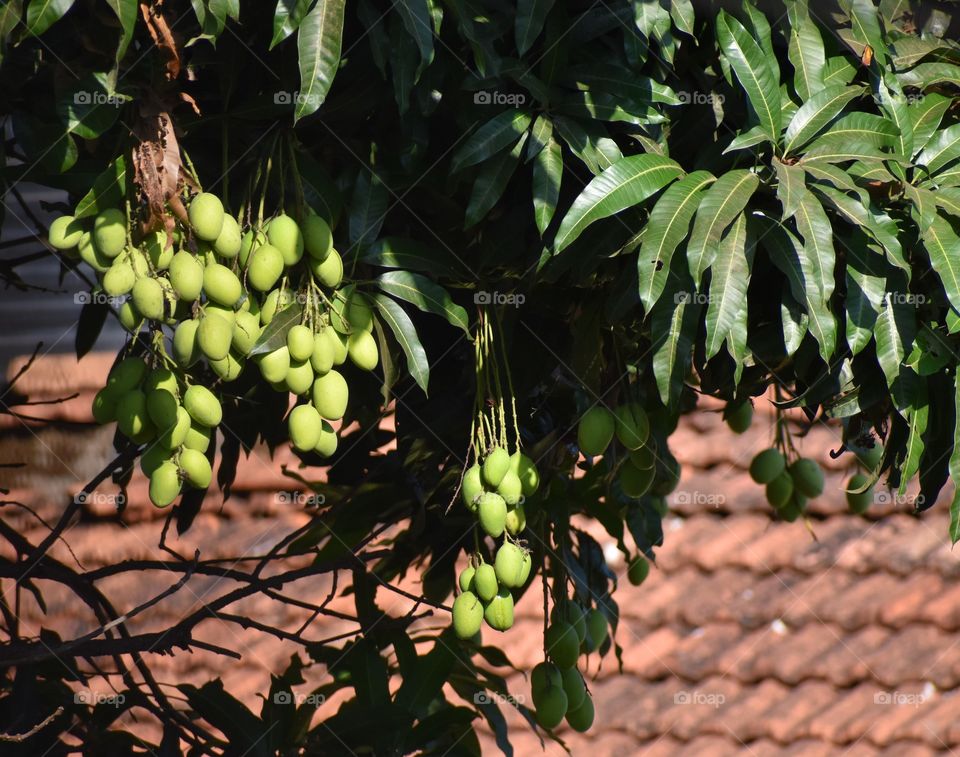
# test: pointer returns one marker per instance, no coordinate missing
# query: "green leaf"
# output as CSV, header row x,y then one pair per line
x,y
816,113
729,279
837,153
895,332
368,208
917,416
943,246
943,148
681,11
894,104
927,74
864,129
755,73
838,70
673,323
529,22
491,181
419,25
274,334
426,295
618,80
108,190
721,204
925,117
955,466
628,182
749,138
406,335
863,302
790,187
540,134
547,174
126,12
865,26
817,235
287,19
42,14
318,49
498,133
948,198
805,51
589,143
668,226
399,252
89,106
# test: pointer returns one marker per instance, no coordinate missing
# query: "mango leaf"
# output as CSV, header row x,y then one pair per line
x,y
547,174
926,74
529,22
943,148
400,252
89,106
406,335
89,325
491,181
126,12
729,279
368,208
681,11
108,190
318,49
943,246
893,103
626,183
817,235
619,80
499,132
540,134
865,26
831,152
720,205
917,416
863,301
668,226
274,334
816,113
426,295
805,51
948,198
419,25
790,187
858,128
287,19
925,117
673,323
754,71
749,138
42,14
588,142
895,332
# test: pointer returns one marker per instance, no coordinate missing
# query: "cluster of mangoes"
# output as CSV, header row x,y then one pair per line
x,y
220,287
788,486
486,590
496,490
155,407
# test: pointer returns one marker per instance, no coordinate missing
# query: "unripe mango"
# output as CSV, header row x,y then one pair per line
x,y
467,615
492,513
148,298
563,644
110,232
90,255
300,342
274,302
105,406
634,481
221,285
574,688
581,718
119,279
284,234
206,216
132,417
738,416
128,374
526,471
510,488
516,520
246,332
214,336
767,465
224,311
198,437
129,318
551,706
186,276
330,395
317,237
139,262
250,241
632,425
330,271
859,502
495,466
328,441
465,581
543,676
299,377
638,571
162,408
266,265
499,611
175,435
304,426
274,365
157,250
65,233
228,368
202,405
164,484
472,486
322,356
807,477
152,458
595,431
339,346
196,468
362,349
509,565
228,241
485,582
185,349
596,629
359,313
780,490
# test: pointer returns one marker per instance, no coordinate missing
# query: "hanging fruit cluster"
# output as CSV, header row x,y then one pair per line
x,y
269,294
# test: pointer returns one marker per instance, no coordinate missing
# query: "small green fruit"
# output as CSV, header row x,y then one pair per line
x,y
90,255
128,374
322,356
499,611
228,241
543,676
274,302
516,520
807,477
581,718
148,298
510,488
206,216
635,481
185,349
362,349
738,416
274,365
859,502
780,490
196,468
466,578
551,706
157,250
638,571
105,406
767,465
526,471
492,513
330,271
129,318
328,441
300,342
65,233
164,484
330,395
119,278
632,425
198,437
467,615
284,234
214,336
221,285
597,630
202,405
495,466
472,487
317,237
132,417
509,565
595,431
162,378
572,613
574,688
152,458
562,644
228,368
110,232
175,435
485,582
246,332
162,408
266,265
299,377
338,344
359,313
186,276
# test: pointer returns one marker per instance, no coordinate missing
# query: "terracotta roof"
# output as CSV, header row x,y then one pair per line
x,y
750,636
